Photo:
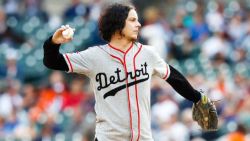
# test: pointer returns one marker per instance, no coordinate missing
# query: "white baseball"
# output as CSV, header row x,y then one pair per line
x,y
68,33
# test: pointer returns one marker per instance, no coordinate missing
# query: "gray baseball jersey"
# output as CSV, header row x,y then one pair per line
x,y
121,82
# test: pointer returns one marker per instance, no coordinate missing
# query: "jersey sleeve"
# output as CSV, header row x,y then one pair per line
x,y
79,62
160,67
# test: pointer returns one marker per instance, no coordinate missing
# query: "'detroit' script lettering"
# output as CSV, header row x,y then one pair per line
x,y
105,81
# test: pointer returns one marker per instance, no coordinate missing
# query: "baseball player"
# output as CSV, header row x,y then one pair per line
x,y
121,72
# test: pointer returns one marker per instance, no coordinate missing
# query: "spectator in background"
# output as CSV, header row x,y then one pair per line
x,y
238,135
199,30
11,122
7,34
11,104
11,69
11,100
243,45
243,111
26,128
236,29
47,130
182,46
95,10
2,129
30,96
77,8
34,8
215,14
178,24
156,31
217,47
165,113
51,99
77,124
171,130
76,96
187,120
163,109
12,7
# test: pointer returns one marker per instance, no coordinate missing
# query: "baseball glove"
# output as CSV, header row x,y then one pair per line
x,y
204,112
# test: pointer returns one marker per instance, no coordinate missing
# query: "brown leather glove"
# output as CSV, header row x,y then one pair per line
x,y
204,112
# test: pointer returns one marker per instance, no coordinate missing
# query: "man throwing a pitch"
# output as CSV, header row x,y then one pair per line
x,y
120,73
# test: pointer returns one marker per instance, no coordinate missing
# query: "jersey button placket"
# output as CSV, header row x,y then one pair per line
x,y
128,92
136,95
123,61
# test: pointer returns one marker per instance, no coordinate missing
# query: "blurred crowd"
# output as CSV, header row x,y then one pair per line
x,y
208,41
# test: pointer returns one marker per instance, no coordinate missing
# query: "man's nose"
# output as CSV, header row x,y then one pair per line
x,y
138,24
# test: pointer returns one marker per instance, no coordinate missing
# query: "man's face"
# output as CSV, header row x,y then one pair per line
x,y
132,26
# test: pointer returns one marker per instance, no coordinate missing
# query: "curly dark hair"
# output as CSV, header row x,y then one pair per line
x,y
113,19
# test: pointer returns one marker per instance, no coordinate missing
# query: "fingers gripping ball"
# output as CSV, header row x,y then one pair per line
x,y
68,32
204,112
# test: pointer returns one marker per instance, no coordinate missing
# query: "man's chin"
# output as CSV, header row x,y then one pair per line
x,y
134,38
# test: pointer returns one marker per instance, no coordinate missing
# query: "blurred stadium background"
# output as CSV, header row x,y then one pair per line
x,y
208,41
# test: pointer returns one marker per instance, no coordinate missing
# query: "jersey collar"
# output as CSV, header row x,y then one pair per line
x,y
123,52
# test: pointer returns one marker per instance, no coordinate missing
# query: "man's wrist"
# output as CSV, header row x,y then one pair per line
x,y
53,41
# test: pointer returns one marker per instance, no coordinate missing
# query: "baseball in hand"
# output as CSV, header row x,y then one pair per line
x,y
68,33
